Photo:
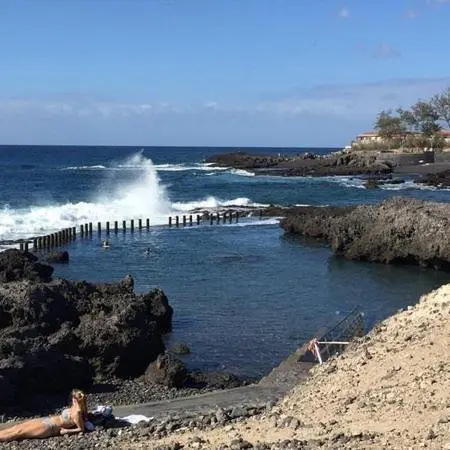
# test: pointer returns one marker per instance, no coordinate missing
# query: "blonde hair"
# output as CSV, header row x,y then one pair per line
x,y
80,398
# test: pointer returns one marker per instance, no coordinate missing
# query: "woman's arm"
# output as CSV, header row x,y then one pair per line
x,y
71,430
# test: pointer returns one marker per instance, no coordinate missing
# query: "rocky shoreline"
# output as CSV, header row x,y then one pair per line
x,y
306,164
389,390
376,168
57,334
396,231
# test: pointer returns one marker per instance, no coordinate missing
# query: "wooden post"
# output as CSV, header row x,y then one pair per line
x,y
260,213
218,217
116,226
82,230
190,220
211,218
198,219
21,246
147,223
140,224
39,242
99,227
26,247
132,224
107,227
230,217
170,221
124,225
177,221
237,216
184,220
90,227
74,232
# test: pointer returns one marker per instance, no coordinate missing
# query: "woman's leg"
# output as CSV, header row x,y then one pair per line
x,y
35,428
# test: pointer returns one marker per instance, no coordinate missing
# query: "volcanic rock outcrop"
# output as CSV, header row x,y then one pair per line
x,y
57,334
440,180
305,164
396,231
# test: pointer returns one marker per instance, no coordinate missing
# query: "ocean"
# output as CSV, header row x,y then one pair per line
x,y
244,294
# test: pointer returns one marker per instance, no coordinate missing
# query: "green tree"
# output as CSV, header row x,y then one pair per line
x,y
389,126
408,119
441,104
425,118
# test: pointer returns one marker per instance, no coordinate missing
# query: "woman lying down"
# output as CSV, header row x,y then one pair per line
x,y
71,420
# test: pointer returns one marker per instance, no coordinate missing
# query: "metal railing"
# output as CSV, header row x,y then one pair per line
x,y
334,340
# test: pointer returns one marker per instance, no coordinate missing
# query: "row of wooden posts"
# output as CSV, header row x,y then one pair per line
x,y
66,235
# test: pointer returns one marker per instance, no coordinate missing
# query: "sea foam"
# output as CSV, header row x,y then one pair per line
x,y
145,196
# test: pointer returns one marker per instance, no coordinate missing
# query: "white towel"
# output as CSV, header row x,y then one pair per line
x,y
105,410
135,418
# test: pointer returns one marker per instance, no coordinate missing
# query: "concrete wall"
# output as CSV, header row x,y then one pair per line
x,y
443,156
406,159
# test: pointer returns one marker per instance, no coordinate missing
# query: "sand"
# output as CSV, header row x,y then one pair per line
x,y
389,390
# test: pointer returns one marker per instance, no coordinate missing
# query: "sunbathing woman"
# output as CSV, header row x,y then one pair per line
x,y
71,420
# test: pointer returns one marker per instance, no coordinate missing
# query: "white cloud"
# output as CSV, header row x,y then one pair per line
x,y
80,106
351,101
385,51
410,14
344,13
319,115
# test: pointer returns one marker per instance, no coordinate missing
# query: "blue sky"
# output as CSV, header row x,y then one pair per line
x,y
214,72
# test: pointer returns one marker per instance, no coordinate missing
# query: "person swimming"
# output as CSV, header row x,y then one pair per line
x,y
147,252
105,244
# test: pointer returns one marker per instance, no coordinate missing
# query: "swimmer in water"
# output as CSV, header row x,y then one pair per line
x,y
105,244
147,252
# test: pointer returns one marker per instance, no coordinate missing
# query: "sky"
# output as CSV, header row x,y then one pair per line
x,y
287,73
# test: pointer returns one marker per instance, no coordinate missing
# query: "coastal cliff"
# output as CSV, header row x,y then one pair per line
x,y
56,334
396,231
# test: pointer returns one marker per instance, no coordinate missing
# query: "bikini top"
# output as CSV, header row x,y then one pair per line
x,y
65,418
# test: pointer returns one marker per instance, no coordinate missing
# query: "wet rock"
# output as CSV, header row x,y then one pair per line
x,y
167,370
158,307
58,334
180,349
217,380
371,183
441,180
58,257
396,231
17,265
306,164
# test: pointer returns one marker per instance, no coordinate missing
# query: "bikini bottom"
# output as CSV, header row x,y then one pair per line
x,y
50,425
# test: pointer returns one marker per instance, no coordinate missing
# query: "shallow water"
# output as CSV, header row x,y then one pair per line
x,y
244,295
